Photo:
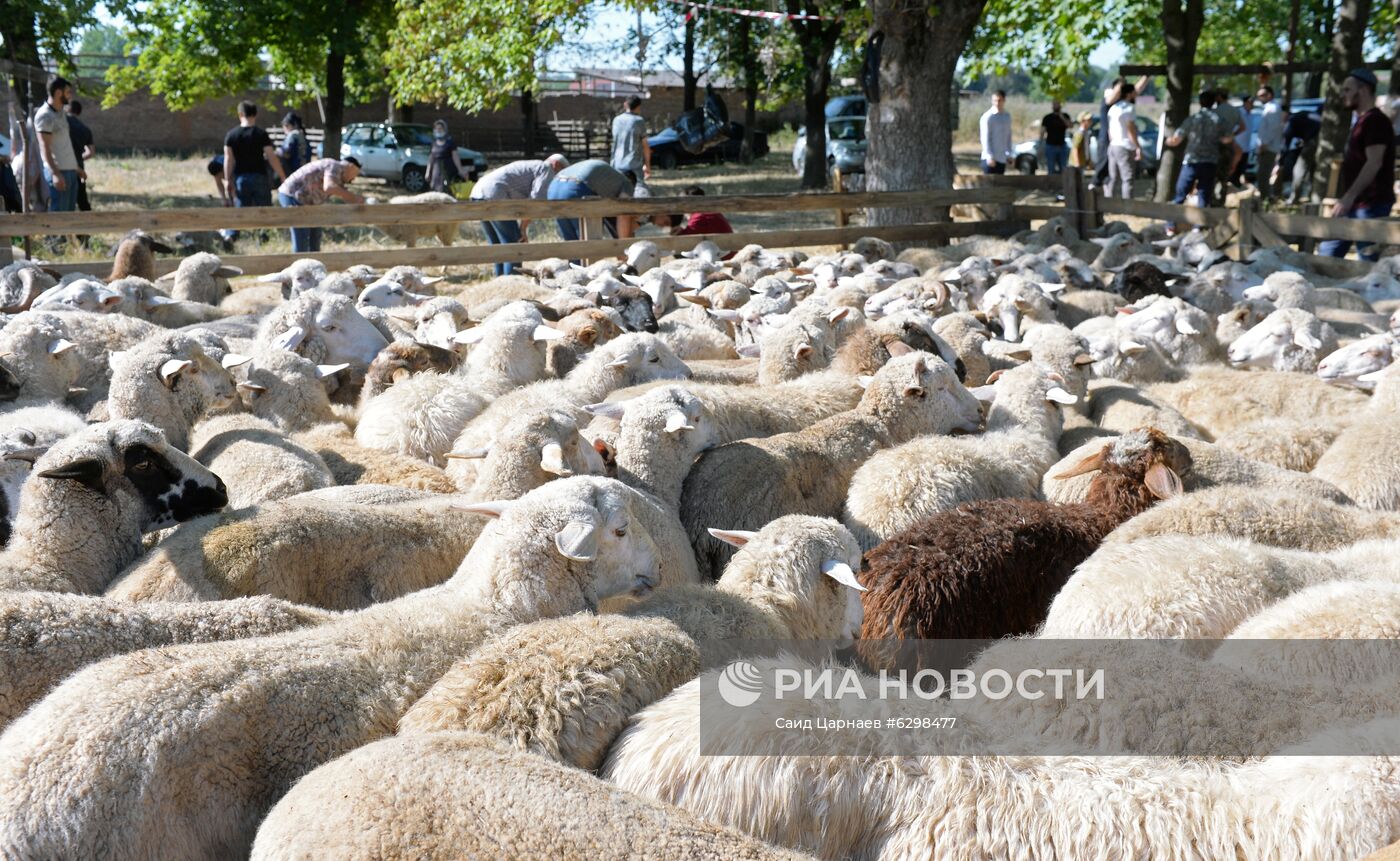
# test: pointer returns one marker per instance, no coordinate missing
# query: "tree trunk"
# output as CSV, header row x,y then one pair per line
x,y
335,102
530,108
910,129
816,83
21,37
751,83
1181,29
688,75
1347,43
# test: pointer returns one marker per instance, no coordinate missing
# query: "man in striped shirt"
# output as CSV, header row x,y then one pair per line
x,y
519,180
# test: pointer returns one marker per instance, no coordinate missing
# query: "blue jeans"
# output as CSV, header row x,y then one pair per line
x,y
565,189
249,189
66,200
303,238
1203,175
1340,247
1056,157
502,233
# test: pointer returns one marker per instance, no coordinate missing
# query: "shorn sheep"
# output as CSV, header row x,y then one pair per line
x,y
91,498
466,795
990,568
101,767
743,485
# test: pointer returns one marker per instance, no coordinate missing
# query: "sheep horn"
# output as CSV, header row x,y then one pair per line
x,y
552,460
842,573
734,537
940,296
1092,463
29,455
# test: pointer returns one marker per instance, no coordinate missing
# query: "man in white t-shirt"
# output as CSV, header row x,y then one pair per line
x,y
1124,152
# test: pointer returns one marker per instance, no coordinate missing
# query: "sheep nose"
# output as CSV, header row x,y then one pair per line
x,y
220,492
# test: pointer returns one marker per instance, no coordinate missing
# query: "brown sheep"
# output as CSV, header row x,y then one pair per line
x,y
989,569
583,330
136,256
402,359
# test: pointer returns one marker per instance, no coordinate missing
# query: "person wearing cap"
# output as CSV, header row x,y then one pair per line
x,y
587,179
1368,164
519,180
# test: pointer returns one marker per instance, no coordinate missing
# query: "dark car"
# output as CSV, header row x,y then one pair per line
x,y
667,151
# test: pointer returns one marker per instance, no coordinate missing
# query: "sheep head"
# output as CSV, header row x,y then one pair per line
x,y
919,393
1135,470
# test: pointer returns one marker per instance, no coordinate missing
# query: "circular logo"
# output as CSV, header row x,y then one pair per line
x,y
740,684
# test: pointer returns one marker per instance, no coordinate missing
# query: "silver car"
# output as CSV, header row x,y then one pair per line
x,y
399,152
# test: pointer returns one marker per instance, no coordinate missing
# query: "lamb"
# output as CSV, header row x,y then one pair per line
x,y
1006,558
966,335
301,276
81,294
583,330
628,360
136,256
410,234
324,328
467,802
257,462
1017,304
21,282
203,278
92,496
1354,364
1212,465
743,485
47,636
401,360
928,474
792,580
40,364
169,382
424,415
1183,331
1279,518
1196,587
1220,400
1244,316
1121,356
137,726
1289,339
1364,460
438,320
797,347
409,281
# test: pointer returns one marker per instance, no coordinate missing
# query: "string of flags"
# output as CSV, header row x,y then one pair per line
x,y
693,7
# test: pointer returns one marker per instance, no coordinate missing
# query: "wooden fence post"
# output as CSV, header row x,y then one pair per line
x,y
1244,240
1309,244
1074,199
1093,218
838,185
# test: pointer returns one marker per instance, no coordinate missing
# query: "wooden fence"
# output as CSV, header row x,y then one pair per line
x,y
990,205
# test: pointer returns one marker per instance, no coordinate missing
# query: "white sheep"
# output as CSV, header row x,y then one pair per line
x,y
1222,399
1289,339
928,474
169,382
1184,332
90,499
1354,364
142,299
459,795
1364,460
300,276
257,461
201,277
324,328
743,485
137,726
410,234
40,364
25,434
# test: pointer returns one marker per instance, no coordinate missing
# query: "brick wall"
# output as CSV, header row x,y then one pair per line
x,y
143,123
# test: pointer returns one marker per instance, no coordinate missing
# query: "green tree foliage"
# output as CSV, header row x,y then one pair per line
x,y
474,55
31,28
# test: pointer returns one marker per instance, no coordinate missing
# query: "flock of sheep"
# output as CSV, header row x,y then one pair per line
x,y
369,565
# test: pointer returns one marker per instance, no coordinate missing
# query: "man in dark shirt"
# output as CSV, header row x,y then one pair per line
x,y
81,136
1368,164
1052,131
248,153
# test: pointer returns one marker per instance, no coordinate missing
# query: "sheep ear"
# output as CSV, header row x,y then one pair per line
x,y
61,345
470,336
578,541
729,315
552,460
802,351
694,298
609,410
546,333
1083,359
986,394
323,371
865,380
1060,396
604,450
156,300
1130,348
1163,481
1184,327
87,472
494,508
734,537
469,453
615,364
995,375
399,375
838,314
274,278
1018,355
588,335
233,360
1306,340
842,573
290,339
226,271
1092,463
170,371
1050,286
898,348
251,389
676,422
430,280
1373,376
749,351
